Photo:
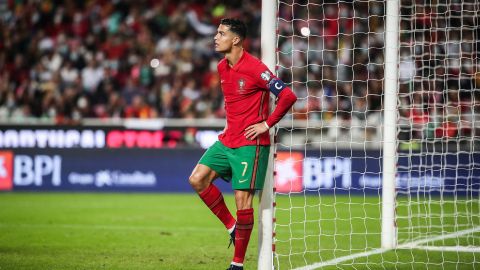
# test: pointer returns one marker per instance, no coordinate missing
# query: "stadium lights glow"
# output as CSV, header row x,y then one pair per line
x,y
305,31
154,63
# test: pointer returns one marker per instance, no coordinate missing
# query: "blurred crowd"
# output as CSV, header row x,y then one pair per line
x,y
439,89
70,60
338,70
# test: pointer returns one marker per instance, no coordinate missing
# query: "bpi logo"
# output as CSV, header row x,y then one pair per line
x,y
289,168
36,170
327,173
6,159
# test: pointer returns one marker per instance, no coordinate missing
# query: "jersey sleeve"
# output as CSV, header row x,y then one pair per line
x,y
286,98
285,101
262,75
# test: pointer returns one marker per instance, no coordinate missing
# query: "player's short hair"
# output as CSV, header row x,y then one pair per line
x,y
236,26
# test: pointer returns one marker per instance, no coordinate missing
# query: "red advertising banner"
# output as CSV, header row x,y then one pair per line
x,y
289,172
6,171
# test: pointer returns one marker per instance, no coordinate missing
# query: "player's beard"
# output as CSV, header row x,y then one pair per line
x,y
223,49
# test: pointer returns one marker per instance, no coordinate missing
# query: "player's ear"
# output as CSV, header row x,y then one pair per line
x,y
236,40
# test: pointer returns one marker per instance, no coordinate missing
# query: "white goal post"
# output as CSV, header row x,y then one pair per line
x,y
389,239
265,224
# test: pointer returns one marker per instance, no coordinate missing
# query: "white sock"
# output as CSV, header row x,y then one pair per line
x,y
237,264
231,229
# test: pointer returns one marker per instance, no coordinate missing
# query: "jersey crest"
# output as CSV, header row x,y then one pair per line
x,y
241,85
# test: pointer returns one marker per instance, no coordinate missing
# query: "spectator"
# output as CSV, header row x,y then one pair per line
x,y
92,75
139,109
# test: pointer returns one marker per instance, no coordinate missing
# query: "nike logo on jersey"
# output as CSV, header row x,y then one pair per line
x,y
242,181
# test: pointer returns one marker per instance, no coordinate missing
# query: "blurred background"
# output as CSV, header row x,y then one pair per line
x,y
69,60
122,95
84,62
142,74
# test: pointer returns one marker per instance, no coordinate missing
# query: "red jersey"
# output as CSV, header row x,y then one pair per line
x,y
245,88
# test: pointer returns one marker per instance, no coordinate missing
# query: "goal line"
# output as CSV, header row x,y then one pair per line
x,y
410,245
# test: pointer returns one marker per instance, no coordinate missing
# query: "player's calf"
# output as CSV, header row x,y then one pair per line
x,y
213,198
243,230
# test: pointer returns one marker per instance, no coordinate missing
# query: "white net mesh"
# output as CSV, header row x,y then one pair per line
x,y
439,102
328,180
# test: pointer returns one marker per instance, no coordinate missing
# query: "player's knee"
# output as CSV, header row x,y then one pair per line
x,y
197,181
193,180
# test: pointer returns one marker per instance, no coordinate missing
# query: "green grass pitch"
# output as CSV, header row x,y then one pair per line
x,y
176,231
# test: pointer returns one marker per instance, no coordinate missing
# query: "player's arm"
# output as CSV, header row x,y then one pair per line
x,y
285,100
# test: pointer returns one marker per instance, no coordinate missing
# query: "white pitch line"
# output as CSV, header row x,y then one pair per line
x,y
342,259
450,248
410,245
438,238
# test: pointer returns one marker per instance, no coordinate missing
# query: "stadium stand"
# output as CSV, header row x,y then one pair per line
x,y
70,60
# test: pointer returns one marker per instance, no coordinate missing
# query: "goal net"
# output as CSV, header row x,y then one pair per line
x,y
329,158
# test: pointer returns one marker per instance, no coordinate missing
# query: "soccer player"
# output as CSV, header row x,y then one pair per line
x,y
241,154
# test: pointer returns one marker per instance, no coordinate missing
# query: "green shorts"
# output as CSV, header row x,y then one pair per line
x,y
245,167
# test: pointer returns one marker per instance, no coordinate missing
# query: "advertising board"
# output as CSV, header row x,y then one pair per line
x,y
358,172
85,137
139,170
167,170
